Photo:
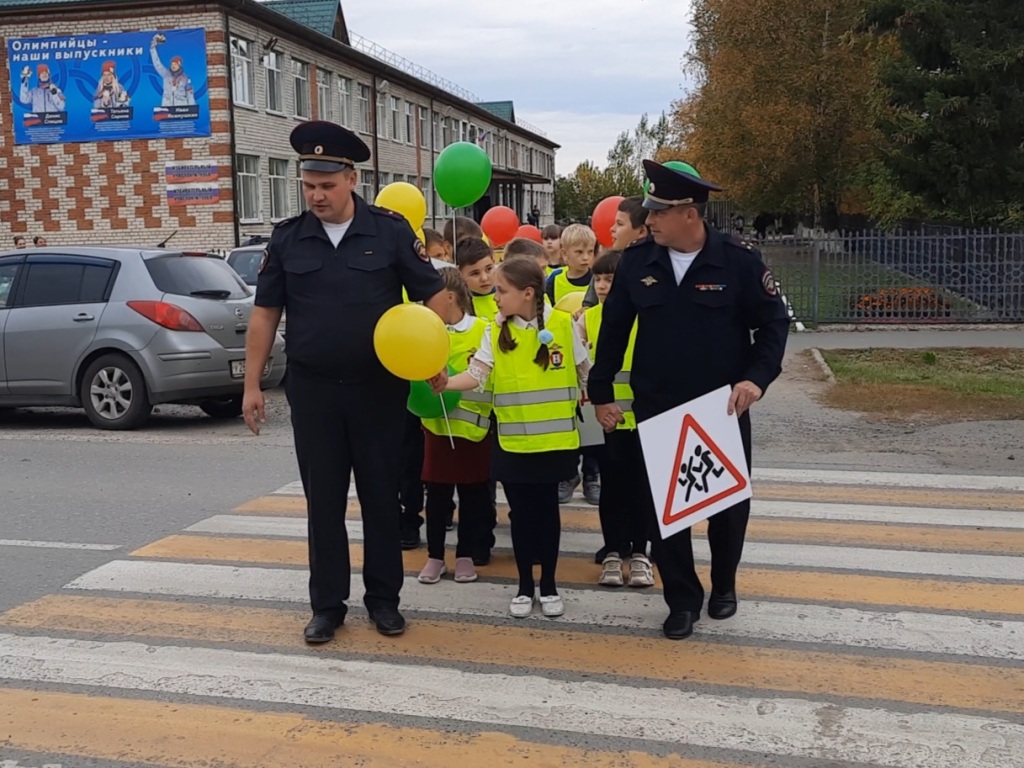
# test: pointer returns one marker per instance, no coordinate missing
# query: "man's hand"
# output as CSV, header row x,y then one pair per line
x,y
439,382
744,395
254,406
608,415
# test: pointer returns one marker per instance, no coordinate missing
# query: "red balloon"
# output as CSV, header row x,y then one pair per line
x,y
530,232
604,217
500,224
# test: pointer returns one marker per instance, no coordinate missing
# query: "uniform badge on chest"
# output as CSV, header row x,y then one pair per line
x,y
710,286
649,280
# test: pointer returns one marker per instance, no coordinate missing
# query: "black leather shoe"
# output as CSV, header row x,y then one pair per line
x,y
321,628
388,620
679,624
482,556
722,605
411,539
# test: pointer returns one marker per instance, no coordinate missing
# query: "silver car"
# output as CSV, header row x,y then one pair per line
x,y
116,330
246,260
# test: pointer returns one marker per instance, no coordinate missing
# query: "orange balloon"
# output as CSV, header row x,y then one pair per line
x,y
500,224
530,232
603,219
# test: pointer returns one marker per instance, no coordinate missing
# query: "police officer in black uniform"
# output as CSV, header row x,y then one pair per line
x,y
337,268
694,336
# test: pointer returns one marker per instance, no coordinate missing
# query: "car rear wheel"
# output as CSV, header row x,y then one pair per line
x,y
223,408
114,393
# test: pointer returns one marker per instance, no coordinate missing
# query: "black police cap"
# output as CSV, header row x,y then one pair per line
x,y
327,147
670,187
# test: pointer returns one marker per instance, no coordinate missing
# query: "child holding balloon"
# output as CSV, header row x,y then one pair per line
x,y
536,365
457,452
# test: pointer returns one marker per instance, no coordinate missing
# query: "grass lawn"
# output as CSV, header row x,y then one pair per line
x,y
954,384
842,280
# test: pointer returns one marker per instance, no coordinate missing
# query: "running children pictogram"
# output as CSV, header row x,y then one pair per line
x,y
703,474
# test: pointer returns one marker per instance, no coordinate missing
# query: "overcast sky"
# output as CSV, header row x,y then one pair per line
x,y
580,70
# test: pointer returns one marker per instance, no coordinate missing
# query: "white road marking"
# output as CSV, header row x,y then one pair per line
x,y
868,513
760,621
754,552
57,545
785,726
840,477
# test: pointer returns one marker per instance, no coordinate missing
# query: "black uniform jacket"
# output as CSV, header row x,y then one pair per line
x,y
335,296
694,337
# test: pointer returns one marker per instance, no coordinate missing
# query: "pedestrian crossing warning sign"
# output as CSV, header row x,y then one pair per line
x,y
695,461
703,474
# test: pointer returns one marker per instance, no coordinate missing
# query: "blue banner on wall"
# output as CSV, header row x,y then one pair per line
x,y
107,87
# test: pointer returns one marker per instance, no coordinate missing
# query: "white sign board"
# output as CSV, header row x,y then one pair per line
x,y
695,461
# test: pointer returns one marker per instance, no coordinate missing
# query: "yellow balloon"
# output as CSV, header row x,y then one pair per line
x,y
488,240
421,235
403,198
571,302
411,342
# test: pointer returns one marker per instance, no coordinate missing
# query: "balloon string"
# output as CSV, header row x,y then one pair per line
x,y
455,241
447,423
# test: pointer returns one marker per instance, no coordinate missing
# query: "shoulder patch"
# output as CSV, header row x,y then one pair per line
x,y
264,259
420,250
768,282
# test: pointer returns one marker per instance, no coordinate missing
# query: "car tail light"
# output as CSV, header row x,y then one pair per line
x,y
167,315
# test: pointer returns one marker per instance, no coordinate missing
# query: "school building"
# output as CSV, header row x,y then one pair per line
x,y
268,66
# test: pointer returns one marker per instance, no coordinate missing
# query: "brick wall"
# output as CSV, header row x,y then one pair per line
x,y
113,191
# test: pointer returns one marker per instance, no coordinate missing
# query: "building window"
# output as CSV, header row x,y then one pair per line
x,y
410,123
247,171
424,127
241,72
366,190
278,189
463,131
275,89
302,207
382,117
385,178
324,102
345,97
435,128
364,108
396,119
471,136
444,132
301,70
428,195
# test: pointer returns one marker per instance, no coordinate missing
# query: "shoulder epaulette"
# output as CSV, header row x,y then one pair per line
x,y
739,242
285,222
385,212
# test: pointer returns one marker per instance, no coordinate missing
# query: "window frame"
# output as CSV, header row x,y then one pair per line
x,y
395,108
255,175
237,58
365,109
282,182
300,74
345,102
17,295
324,86
273,73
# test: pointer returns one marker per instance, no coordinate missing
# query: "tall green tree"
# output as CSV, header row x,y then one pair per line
x,y
577,194
953,104
625,159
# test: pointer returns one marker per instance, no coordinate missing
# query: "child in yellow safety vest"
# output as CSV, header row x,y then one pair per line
x,y
466,466
625,493
475,261
536,365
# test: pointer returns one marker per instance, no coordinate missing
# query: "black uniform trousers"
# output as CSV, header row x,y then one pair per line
x,y
683,590
625,494
340,428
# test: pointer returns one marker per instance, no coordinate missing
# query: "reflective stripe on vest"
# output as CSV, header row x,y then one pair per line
x,y
536,408
471,419
623,392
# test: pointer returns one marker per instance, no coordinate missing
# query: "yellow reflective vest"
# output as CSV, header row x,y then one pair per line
x,y
623,392
471,418
536,408
563,287
484,306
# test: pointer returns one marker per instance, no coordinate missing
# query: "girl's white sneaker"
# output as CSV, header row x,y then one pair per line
x,y
552,606
521,606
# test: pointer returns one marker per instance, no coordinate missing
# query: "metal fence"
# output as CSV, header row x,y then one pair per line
x,y
932,275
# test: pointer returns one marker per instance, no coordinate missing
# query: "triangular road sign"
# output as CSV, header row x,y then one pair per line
x,y
737,483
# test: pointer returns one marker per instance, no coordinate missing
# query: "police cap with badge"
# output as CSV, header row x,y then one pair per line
x,y
675,184
327,147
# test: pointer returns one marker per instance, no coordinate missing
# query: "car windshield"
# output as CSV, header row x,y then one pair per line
x,y
247,264
201,276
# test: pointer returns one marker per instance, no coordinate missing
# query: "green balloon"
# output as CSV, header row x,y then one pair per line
x,y
425,404
462,174
675,165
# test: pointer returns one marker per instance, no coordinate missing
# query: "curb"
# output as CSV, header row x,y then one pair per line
x,y
825,369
